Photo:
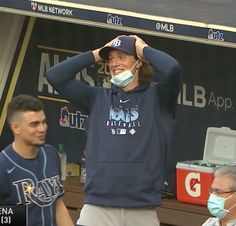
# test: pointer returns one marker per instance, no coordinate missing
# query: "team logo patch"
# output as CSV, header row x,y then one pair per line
x,y
116,43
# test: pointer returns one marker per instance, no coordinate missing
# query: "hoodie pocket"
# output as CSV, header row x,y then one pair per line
x,y
120,179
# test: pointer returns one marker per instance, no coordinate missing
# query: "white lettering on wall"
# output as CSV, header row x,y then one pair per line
x,y
195,96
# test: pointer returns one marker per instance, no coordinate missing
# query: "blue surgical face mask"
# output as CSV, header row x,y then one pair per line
x,y
216,206
124,78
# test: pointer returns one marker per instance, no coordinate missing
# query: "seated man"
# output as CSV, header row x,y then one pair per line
x,y
29,168
222,200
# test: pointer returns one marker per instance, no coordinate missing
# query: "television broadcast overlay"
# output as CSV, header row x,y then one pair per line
x,y
13,215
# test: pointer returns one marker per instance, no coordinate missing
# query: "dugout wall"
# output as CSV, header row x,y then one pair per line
x,y
55,30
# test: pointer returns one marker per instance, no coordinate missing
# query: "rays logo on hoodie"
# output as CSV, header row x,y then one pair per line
x,y
123,120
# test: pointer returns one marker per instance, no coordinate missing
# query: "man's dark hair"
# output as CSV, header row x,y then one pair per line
x,y
23,103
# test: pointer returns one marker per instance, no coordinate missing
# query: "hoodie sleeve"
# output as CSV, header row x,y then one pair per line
x,y
169,76
62,77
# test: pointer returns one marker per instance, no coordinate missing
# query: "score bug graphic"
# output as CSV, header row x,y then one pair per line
x,y
13,215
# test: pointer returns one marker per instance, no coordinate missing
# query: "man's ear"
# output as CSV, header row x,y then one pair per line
x,y
15,127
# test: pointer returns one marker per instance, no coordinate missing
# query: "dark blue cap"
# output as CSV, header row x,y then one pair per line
x,y
123,43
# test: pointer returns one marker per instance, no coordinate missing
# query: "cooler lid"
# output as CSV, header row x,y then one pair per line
x,y
220,145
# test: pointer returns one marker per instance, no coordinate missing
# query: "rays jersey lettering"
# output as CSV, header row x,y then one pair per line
x,y
123,120
42,193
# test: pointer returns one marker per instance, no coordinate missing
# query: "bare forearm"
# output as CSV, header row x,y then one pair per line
x,y
62,215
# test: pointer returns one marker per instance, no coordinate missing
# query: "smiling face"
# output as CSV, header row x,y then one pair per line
x,y
29,128
120,61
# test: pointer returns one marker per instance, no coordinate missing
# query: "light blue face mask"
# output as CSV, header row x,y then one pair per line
x,y
216,206
124,78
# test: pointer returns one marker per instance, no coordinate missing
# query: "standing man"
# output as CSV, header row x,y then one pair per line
x,y
129,129
222,199
30,169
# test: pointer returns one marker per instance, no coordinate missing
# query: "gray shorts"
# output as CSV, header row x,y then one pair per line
x,y
92,215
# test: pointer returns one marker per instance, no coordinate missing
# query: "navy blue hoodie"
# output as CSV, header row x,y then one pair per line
x,y
128,133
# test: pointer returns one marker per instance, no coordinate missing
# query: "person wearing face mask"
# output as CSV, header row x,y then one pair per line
x,y
222,199
129,129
